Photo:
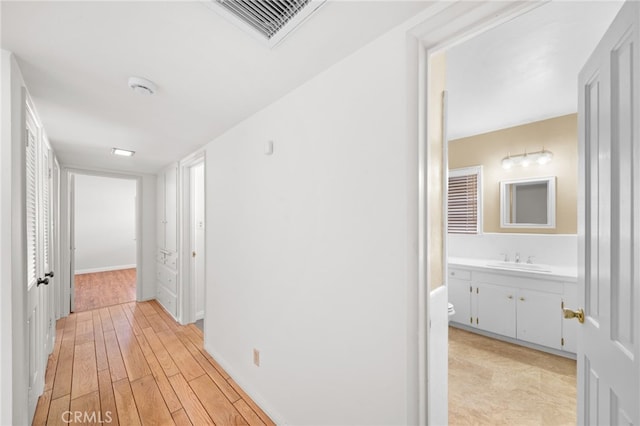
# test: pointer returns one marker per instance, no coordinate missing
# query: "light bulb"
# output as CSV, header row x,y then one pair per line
x,y
544,157
525,161
507,163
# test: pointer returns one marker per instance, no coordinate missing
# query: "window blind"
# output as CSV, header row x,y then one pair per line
x,y
463,204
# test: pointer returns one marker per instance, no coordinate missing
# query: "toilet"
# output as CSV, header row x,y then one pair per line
x,y
452,311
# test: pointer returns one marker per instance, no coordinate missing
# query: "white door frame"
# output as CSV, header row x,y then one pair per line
x,y
67,255
452,25
186,302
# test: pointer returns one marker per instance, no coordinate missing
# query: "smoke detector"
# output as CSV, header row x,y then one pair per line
x,y
142,86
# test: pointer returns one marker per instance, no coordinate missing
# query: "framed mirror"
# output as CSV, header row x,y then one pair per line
x,y
528,203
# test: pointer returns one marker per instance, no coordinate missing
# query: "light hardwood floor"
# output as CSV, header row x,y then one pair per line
x,y
496,383
100,289
132,364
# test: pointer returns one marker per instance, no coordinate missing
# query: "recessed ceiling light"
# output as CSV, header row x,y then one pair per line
x,y
142,85
122,152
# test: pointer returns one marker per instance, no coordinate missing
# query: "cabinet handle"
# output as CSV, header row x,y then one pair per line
x,y
509,297
522,299
453,274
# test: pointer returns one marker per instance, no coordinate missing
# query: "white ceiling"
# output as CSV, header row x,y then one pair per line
x,y
524,70
76,58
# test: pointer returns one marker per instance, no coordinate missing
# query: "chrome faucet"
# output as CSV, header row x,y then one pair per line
x,y
517,259
506,256
530,260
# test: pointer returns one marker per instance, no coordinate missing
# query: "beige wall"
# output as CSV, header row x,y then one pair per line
x,y
558,135
435,225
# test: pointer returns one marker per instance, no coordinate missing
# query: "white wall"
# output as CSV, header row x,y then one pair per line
x,y
13,349
308,249
104,223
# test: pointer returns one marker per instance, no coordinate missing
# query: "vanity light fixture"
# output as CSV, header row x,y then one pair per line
x,y
541,157
122,152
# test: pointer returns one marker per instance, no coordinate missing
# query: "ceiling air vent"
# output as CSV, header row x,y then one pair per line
x,y
269,20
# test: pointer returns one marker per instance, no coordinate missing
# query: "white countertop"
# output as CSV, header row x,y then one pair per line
x,y
569,273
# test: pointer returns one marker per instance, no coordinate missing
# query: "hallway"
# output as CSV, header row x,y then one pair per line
x,y
132,364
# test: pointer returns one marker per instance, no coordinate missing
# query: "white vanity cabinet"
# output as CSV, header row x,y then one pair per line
x,y
167,239
524,308
460,295
495,309
539,318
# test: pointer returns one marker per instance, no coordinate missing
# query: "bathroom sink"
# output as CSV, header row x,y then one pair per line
x,y
519,266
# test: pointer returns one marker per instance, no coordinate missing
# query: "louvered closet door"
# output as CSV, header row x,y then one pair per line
x,y
36,312
46,166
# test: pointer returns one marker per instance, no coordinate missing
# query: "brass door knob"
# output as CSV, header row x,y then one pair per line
x,y
579,314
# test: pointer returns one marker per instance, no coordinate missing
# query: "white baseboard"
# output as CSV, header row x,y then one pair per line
x,y
258,399
104,269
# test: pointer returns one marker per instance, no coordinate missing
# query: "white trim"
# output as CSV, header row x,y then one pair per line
x,y
184,298
451,25
104,269
551,203
66,289
263,403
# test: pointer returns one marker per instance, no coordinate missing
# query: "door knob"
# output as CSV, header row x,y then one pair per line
x,y
49,274
579,314
44,281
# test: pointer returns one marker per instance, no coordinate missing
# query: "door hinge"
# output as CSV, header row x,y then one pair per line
x,y
49,176
562,341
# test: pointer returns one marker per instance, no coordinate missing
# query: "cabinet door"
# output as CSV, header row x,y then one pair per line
x,y
460,297
539,318
495,309
570,326
171,208
160,212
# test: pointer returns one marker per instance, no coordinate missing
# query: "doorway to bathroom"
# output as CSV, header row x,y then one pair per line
x,y
510,113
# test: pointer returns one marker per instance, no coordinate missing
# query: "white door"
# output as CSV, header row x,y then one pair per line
x,y
46,170
609,227
197,238
36,282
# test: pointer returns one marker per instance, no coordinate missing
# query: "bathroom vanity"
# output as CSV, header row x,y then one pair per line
x,y
519,303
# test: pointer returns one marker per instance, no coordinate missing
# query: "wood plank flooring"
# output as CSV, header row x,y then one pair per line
x,y
134,365
497,383
100,289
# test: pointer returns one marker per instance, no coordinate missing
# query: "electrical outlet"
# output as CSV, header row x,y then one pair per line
x,y
256,357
